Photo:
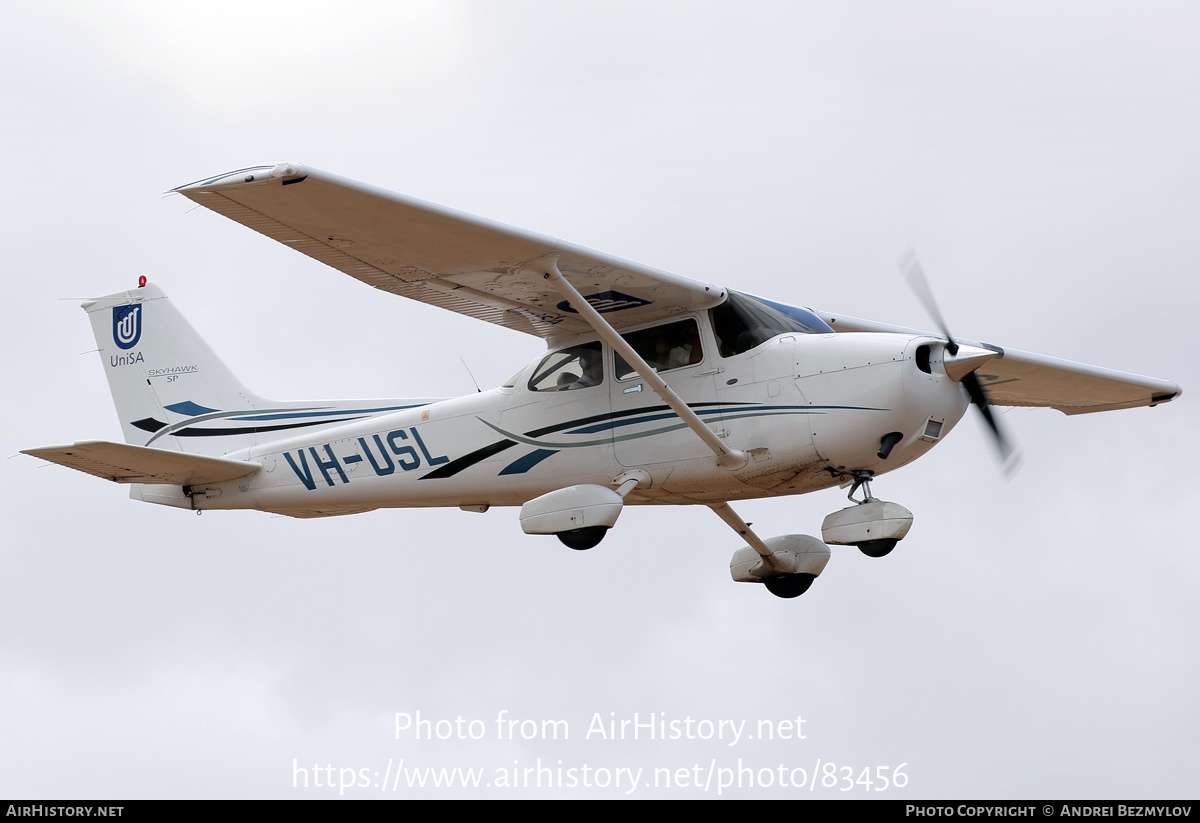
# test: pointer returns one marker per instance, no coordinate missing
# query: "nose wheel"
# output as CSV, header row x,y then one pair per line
x,y
872,525
871,548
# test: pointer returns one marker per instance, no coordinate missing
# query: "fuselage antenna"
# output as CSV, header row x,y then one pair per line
x,y
473,380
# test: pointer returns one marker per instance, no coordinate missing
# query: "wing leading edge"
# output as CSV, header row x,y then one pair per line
x,y
443,257
1018,378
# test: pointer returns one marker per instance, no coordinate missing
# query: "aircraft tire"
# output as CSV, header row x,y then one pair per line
x,y
583,539
877,548
789,585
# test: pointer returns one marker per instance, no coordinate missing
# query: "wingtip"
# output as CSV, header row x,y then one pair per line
x,y
241,177
1166,397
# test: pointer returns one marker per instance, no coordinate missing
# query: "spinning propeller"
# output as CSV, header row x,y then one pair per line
x,y
962,362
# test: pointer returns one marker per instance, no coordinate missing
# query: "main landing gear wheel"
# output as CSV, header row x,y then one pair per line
x,y
789,585
582,539
877,548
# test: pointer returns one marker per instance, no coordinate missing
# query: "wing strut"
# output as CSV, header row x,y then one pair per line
x,y
727,458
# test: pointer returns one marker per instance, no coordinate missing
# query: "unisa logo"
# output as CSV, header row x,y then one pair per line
x,y
127,325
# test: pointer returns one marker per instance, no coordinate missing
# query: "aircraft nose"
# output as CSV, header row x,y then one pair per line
x,y
933,388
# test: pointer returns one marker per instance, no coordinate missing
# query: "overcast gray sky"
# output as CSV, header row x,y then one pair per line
x,y
1035,638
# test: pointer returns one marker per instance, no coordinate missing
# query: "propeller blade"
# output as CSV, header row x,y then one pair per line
x,y
910,267
1009,457
961,368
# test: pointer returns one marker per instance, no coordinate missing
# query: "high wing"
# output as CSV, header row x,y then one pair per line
x,y
443,257
494,272
1018,378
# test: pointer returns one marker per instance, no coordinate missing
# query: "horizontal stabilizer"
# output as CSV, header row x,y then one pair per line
x,y
123,463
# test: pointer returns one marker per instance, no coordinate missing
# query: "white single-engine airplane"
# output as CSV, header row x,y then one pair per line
x,y
654,389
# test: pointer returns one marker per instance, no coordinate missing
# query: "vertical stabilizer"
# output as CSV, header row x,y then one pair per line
x,y
165,380
173,392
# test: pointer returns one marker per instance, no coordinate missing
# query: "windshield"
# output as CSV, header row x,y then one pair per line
x,y
743,322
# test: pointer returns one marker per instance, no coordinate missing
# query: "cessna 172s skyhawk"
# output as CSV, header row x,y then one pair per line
x,y
654,389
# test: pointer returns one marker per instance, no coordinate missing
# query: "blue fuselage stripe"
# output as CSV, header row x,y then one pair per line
x,y
524,464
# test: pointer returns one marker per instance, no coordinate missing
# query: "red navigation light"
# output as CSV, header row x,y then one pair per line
x,y
142,282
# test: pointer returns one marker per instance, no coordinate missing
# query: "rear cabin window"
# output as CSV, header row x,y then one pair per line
x,y
672,346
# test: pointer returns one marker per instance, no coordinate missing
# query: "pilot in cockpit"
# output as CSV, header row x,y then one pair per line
x,y
593,369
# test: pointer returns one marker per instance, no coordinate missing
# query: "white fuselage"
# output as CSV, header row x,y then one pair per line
x,y
808,409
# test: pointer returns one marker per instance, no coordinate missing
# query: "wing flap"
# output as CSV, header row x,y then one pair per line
x,y
1018,378
124,463
446,258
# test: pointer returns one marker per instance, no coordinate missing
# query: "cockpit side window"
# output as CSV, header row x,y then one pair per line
x,y
577,367
742,323
672,346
